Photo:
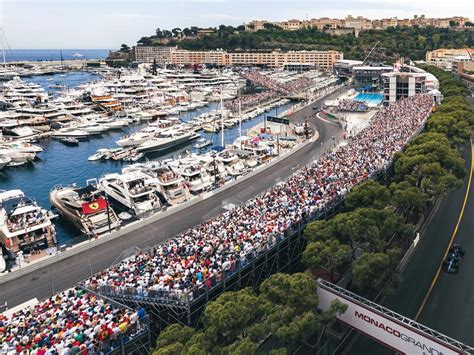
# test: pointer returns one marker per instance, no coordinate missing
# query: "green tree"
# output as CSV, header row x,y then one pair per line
x,y
431,164
172,339
368,194
124,48
329,254
373,272
230,317
287,316
407,197
365,228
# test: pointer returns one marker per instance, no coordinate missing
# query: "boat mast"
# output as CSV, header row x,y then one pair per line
x,y
222,119
240,118
3,48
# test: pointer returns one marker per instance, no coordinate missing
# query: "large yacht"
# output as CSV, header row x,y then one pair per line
x,y
132,191
23,224
85,207
170,183
195,176
166,140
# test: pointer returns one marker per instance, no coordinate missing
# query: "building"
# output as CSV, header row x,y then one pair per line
x,y
397,85
360,23
343,68
291,25
256,25
465,71
175,56
444,58
369,77
148,54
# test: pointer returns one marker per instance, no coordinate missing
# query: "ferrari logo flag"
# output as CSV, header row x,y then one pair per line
x,y
94,206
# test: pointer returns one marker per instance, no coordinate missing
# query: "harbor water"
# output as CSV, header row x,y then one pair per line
x,y
39,55
64,165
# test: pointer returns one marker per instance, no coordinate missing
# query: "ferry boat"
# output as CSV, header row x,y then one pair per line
x,y
132,190
23,224
86,208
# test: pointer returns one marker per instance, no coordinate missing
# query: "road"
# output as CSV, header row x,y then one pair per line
x,y
48,280
450,307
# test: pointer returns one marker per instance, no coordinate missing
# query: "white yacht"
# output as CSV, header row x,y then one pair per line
x,y
169,183
195,176
4,161
71,132
202,143
23,224
86,208
138,137
166,140
17,156
133,191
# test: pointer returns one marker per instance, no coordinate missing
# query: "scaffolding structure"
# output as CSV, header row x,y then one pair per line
x,y
282,256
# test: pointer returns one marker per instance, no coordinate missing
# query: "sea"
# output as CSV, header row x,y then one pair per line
x,y
63,165
38,55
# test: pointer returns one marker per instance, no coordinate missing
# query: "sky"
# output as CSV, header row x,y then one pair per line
x,y
106,24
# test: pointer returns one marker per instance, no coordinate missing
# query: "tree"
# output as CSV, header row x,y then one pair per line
x,y
368,194
436,37
407,197
124,48
159,33
146,41
365,228
290,305
230,317
431,164
329,254
373,272
176,31
172,339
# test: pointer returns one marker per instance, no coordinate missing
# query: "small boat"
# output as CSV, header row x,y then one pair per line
x,y
120,155
69,141
99,155
134,157
210,128
202,142
14,164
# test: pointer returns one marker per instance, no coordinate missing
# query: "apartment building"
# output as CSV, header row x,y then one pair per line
x,y
359,22
148,54
444,58
320,59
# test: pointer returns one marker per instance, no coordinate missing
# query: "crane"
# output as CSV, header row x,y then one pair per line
x,y
368,55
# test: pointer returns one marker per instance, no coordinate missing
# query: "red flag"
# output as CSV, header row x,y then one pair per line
x,y
94,206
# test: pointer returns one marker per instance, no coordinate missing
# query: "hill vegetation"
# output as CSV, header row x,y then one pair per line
x,y
395,42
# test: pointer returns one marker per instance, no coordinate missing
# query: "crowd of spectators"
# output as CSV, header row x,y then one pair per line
x,y
203,254
352,105
283,88
75,321
250,101
265,81
71,322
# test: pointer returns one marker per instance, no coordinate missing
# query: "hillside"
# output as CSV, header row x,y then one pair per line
x,y
410,43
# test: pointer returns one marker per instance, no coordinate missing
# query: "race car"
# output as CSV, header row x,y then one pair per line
x,y
453,259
